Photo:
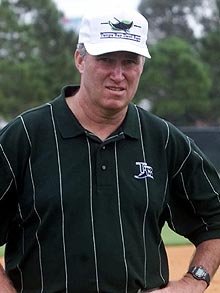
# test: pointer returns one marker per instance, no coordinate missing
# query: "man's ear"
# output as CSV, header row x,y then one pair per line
x,y
79,61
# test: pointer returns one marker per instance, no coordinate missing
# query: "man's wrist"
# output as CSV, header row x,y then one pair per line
x,y
200,273
189,279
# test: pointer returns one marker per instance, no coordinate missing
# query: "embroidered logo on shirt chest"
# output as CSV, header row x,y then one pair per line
x,y
145,171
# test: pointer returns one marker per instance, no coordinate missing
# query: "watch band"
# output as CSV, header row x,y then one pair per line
x,y
200,273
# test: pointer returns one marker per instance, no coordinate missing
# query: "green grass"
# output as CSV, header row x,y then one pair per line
x,y
2,248
172,238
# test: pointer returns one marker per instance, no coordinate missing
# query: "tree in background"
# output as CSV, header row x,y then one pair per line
x,y
183,88
36,55
209,16
176,18
209,49
176,82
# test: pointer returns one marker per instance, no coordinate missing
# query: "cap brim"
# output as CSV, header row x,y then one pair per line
x,y
99,49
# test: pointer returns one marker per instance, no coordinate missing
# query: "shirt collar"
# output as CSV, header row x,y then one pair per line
x,y
130,124
70,127
67,123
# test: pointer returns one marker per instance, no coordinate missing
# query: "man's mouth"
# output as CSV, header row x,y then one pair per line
x,y
116,89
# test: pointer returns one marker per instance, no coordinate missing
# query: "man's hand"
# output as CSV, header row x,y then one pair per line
x,y
207,254
6,286
186,284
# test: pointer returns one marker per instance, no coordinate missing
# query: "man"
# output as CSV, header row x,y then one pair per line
x,y
88,180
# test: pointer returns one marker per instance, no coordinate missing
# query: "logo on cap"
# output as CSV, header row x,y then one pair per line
x,y
120,30
121,25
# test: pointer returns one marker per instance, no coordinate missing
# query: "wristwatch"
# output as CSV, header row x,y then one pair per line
x,y
199,273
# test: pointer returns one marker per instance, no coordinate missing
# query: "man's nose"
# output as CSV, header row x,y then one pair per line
x,y
117,72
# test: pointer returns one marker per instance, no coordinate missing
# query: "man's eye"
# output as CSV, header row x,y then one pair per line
x,y
131,61
106,60
103,59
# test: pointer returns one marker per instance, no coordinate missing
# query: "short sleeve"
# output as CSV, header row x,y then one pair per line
x,y
195,199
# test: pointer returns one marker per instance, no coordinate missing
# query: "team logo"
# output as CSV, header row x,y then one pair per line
x,y
145,171
121,25
120,29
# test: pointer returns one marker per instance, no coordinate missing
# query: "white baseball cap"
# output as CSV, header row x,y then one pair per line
x,y
110,31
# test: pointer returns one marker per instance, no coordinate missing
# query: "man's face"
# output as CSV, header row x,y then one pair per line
x,y
110,80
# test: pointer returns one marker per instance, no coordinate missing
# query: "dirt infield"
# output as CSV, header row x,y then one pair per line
x,y
179,257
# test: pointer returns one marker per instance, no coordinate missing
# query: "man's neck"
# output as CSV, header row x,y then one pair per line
x,y
100,123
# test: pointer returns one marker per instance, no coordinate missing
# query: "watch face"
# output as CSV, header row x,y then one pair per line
x,y
200,273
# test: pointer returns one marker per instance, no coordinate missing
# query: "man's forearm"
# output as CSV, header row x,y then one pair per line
x,y
5,284
207,254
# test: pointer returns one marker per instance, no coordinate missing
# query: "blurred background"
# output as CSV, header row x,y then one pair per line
x,y
181,82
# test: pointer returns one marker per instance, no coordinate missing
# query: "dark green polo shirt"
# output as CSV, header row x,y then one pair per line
x,y
82,215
